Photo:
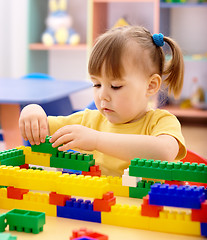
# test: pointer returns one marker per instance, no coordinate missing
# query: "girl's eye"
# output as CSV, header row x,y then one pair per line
x,y
116,87
96,85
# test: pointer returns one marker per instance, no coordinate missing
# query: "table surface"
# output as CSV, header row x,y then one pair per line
x,y
61,229
23,91
16,92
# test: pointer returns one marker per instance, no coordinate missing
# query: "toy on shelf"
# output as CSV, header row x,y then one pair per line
x,y
59,25
121,23
198,95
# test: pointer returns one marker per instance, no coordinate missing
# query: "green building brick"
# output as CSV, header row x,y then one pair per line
x,y
3,222
25,221
7,236
36,168
142,189
179,171
71,160
45,147
193,172
13,157
151,169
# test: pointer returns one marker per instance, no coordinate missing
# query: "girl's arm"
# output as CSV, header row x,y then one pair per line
x,y
123,146
129,146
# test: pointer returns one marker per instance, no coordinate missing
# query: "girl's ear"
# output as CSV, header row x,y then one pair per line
x,y
154,84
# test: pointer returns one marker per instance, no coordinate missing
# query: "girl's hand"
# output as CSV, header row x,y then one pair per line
x,y
75,136
33,124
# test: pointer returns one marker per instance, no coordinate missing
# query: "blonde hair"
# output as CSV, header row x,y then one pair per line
x,y
110,46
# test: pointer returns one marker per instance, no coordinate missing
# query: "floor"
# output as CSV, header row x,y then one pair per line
x,y
196,138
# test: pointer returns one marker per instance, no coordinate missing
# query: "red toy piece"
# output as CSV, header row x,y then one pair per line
x,y
80,233
94,171
193,157
104,204
88,233
84,238
183,183
58,199
24,166
173,182
200,215
16,193
150,210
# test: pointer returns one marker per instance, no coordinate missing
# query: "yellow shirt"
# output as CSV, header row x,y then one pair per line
x,y
153,123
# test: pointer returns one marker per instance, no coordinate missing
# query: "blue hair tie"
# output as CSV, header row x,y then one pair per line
x,y
158,39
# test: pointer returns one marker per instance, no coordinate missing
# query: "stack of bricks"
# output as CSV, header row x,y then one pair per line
x,y
149,216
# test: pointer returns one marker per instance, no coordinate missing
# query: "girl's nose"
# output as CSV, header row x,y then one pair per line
x,y
104,94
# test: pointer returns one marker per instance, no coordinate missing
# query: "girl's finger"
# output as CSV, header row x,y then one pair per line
x,y
60,132
66,147
35,131
43,130
29,133
62,140
22,130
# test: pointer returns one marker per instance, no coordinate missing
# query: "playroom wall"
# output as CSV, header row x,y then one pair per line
x,y
72,65
63,65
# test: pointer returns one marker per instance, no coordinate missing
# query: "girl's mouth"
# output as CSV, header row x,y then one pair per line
x,y
107,110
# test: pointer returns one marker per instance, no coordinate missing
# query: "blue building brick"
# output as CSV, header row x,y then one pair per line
x,y
80,210
174,196
204,229
71,171
205,192
85,238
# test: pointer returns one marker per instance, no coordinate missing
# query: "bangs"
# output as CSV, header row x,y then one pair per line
x,y
107,54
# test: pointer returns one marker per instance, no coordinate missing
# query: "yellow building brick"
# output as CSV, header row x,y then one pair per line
x,y
175,222
31,201
36,158
125,216
28,178
86,186
169,222
7,175
115,186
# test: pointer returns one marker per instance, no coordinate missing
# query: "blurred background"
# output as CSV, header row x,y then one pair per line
x,y
31,41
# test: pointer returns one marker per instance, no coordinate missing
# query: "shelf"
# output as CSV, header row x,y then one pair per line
x,y
162,4
195,57
109,1
42,47
100,13
192,58
187,113
178,5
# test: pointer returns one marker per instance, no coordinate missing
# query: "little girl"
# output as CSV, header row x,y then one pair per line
x,y
126,67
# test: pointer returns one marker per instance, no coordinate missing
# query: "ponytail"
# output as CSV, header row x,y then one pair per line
x,y
174,69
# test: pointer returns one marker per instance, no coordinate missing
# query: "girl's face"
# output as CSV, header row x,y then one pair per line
x,y
122,100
